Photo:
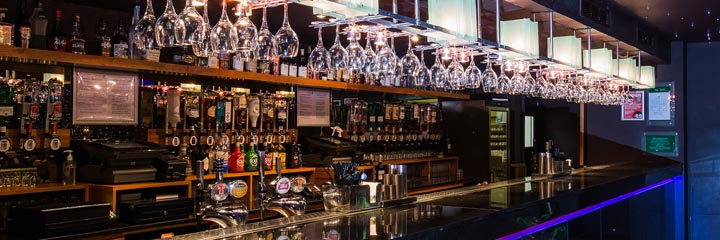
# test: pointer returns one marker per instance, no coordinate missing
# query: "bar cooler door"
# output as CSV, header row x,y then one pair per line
x,y
499,143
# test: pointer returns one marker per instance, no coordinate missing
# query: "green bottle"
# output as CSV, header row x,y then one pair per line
x,y
251,159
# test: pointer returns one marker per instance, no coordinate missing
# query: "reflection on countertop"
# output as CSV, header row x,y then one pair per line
x,y
475,212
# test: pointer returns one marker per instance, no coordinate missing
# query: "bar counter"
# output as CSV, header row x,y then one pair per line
x,y
489,211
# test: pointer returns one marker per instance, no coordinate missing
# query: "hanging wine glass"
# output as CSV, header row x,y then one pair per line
x,y
223,36
384,65
422,76
529,87
474,75
247,35
338,58
286,41
409,65
205,48
489,78
144,29
503,85
550,87
165,27
356,55
517,81
188,27
319,60
456,75
265,47
438,73
397,71
540,84
369,65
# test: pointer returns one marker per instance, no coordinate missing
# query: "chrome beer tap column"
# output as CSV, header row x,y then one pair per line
x,y
286,200
225,209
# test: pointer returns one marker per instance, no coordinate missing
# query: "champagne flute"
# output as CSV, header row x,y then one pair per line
x,y
474,75
409,66
165,27
223,36
319,60
356,55
422,77
265,47
438,73
369,65
188,27
247,35
144,29
287,42
338,58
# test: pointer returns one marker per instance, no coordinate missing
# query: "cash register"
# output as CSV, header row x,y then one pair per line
x,y
324,151
116,162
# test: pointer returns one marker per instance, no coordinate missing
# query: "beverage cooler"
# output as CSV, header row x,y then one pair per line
x,y
483,137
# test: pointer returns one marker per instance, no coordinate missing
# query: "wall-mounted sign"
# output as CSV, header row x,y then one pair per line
x,y
661,143
105,97
634,108
659,104
313,108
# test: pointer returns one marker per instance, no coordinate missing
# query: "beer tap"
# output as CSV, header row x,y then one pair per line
x,y
285,201
225,209
54,115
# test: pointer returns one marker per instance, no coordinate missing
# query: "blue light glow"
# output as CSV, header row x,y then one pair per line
x,y
586,210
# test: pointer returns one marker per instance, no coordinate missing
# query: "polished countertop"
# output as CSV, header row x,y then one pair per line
x,y
475,212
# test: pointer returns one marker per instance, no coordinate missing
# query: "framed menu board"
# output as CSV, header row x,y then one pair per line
x,y
634,108
105,97
313,108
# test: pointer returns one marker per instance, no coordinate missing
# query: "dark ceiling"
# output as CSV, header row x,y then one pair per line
x,y
689,20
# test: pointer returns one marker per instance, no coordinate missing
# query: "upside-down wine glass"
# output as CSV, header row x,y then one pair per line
x,y
356,55
422,77
456,75
189,27
165,27
384,64
144,29
503,82
223,36
338,58
409,66
286,41
369,64
473,74
489,78
247,34
205,46
438,73
319,60
265,47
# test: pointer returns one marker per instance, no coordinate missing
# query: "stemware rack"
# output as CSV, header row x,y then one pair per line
x,y
36,56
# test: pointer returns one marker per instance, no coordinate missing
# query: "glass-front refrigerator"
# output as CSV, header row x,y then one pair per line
x,y
499,143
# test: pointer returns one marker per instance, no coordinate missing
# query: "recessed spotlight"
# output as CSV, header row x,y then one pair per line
x,y
320,16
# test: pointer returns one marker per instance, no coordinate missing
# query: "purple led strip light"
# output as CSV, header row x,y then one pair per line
x,y
586,210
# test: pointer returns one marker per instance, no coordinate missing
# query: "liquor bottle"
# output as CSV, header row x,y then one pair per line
x,y
104,40
30,113
209,106
222,152
275,154
77,42
51,140
292,112
134,52
192,110
268,111
302,64
7,92
295,154
183,156
282,154
266,155
236,163
220,113
380,171
4,140
281,115
22,28
6,29
57,41
38,25
251,159
294,63
120,41
241,111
